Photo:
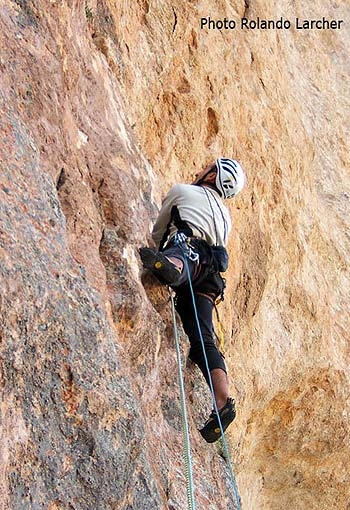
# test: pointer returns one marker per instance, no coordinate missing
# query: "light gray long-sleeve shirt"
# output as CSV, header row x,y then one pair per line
x,y
201,208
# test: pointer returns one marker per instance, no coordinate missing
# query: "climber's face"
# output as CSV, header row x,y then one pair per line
x,y
206,175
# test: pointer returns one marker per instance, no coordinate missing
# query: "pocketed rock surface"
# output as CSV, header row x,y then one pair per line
x,y
104,105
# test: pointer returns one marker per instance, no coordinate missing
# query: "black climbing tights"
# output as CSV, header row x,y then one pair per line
x,y
204,306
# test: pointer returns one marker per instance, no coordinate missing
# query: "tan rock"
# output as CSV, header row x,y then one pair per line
x,y
103,107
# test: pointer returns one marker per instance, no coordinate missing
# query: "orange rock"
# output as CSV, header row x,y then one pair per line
x,y
102,108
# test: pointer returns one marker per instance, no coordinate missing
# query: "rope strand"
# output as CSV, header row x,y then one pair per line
x,y
224,442
188,460
187,448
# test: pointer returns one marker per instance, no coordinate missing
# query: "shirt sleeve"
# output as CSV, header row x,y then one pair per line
x,y
164,215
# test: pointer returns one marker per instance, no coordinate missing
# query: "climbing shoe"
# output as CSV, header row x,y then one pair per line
x,y
211,430
160,266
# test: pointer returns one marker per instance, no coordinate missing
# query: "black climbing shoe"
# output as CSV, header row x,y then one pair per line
x,y
211,430
160,266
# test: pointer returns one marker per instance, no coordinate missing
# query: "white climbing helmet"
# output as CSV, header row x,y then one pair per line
x,y
230,177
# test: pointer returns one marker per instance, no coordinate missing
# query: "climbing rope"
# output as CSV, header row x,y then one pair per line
x,y
184,247
187,448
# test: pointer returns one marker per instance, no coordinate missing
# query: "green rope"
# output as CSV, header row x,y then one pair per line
x,y
187,449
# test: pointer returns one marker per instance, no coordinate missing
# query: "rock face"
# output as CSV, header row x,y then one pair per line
x,y
103,107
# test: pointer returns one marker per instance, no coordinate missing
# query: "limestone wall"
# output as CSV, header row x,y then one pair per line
x,y
104,105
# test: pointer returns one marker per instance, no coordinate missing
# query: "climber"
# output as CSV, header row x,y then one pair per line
x,y
194,223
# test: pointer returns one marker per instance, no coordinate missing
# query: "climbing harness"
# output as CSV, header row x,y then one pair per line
x,y
187,448
180,240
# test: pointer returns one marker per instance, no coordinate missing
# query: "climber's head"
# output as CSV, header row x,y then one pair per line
x,y
207,175
225,175
230,177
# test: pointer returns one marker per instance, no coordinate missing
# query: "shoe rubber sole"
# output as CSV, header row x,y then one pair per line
x,y
211,431
160,266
